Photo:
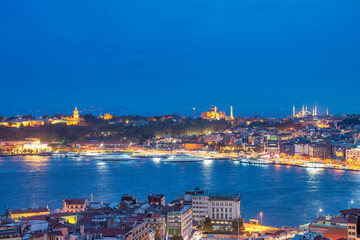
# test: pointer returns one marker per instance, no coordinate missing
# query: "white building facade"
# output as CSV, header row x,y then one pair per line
x,y
218,207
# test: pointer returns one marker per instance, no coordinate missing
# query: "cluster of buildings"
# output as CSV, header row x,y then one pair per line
x,y
127,219
305,135
345,225
73,119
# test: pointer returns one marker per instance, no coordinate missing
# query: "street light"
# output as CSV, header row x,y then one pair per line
x,y
351,202
261,214
320,210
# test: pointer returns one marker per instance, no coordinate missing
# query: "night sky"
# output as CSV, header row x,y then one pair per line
x,y
158,57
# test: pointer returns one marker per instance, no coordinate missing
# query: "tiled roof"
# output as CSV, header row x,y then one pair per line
x,y
55,234
29,210
75,201
108,232
352,211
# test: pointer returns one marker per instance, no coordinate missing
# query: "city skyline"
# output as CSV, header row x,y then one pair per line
x,y
193,112
262,57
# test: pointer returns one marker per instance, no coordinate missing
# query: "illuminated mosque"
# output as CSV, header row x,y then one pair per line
x,y
215,114
305,113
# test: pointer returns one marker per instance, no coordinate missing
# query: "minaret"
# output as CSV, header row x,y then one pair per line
x,y
231,112
315,110
306,107
194,111
303,109
294,113
327,111
215,113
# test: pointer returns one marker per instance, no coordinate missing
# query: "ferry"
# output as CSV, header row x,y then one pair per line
x,y
182,158
254,161
66,154
116,158
315,165
91,153
153,155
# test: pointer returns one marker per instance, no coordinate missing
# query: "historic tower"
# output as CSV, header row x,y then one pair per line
x,y
231,113
76,113
194,111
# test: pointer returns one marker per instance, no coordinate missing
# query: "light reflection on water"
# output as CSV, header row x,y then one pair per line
x,y
286,195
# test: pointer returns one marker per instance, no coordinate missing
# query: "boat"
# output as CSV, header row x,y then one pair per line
x,y
254,161
315,165
182,158
153,155
116,158
90,153
66,154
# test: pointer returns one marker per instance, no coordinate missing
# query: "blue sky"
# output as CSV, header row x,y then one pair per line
x,y
164,56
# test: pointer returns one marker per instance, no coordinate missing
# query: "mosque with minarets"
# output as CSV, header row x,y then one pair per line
x,y
305,113
215,114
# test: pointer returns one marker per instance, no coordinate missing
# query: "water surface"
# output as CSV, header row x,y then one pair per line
x,y
286,195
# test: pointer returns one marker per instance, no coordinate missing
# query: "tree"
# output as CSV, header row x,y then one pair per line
x,y
207,225
176,237
236,223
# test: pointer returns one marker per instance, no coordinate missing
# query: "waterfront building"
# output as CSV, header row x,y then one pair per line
x,y
353,154
180,222
75,205
18,214
193,146
287,148
272,147
156,199
322,151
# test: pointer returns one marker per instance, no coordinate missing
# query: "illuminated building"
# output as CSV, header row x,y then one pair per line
x,y
231,113
37,146
75,205
18,214
156,199
303,113
107,116
193,146
158,224
194,111
221,208
213,114
353,154
73,120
